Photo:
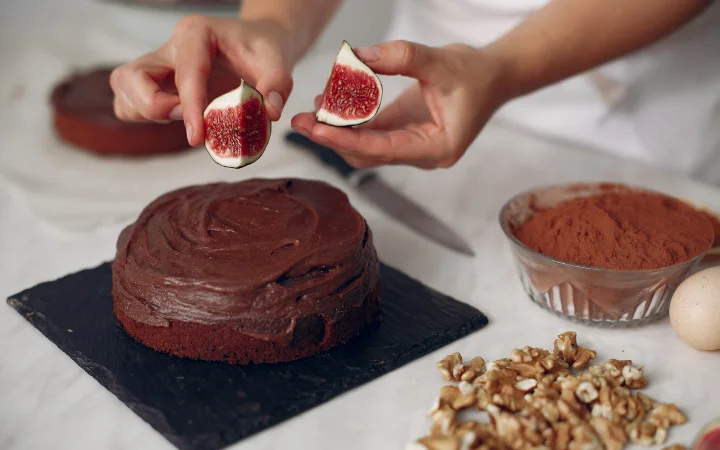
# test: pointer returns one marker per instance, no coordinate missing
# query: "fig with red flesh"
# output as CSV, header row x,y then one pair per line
x,y
352,93
237,127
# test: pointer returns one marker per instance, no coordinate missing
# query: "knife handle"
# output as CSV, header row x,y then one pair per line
x,y
326,155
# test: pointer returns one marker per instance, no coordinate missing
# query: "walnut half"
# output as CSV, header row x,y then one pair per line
x,y
567,349
535,403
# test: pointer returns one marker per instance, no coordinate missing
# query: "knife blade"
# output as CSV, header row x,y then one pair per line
x,y
384,196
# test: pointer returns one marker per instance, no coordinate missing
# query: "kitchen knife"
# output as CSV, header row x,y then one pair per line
x,y
386,197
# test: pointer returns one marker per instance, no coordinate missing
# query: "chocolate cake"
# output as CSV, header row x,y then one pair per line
x,y
84,116
249,272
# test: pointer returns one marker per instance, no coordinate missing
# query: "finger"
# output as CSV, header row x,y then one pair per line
x,y
405,58
275,87
362,144
124,110
269,75
140,83
146,95
193,62
264,67
367,144
359,163
419,145
303,123
408,108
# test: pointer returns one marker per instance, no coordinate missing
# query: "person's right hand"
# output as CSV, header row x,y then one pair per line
x,y
256,51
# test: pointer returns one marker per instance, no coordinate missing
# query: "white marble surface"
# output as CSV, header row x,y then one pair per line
x,y
61,210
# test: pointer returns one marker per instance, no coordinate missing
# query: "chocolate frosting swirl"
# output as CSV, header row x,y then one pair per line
x,y
262,254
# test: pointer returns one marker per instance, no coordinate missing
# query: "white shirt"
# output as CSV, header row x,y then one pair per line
x,y
660,105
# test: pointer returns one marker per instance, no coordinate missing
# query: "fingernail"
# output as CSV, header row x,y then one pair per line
x,y
275,100
176,113
189,130
367,54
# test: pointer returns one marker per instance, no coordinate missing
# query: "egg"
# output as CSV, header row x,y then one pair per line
x,y
695,310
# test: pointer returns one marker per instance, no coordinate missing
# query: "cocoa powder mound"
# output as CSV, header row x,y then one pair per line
x,y
713,218
622,231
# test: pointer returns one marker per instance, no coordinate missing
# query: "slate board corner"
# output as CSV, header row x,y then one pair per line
x,y
210,405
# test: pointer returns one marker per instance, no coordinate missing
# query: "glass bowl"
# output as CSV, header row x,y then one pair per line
x,y
585,294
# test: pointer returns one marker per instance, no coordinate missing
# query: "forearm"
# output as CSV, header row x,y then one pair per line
x,y
302,20
568,37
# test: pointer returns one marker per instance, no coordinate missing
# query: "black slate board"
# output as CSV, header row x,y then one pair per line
x,y
209,405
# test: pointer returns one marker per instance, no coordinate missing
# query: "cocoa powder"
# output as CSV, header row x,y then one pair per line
x,y
622,231
715,222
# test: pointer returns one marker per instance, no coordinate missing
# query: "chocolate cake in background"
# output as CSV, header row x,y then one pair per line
x,y
84,116
248,272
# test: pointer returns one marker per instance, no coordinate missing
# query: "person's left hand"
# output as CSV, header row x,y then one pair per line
x,y
433,122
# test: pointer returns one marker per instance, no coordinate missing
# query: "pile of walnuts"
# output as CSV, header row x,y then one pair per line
x,y
536,402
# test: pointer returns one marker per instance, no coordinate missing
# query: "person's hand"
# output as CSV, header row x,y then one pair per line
x,y
256,51
432,123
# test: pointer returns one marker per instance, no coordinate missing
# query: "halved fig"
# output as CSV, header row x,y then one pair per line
x,y
237,127
352,93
